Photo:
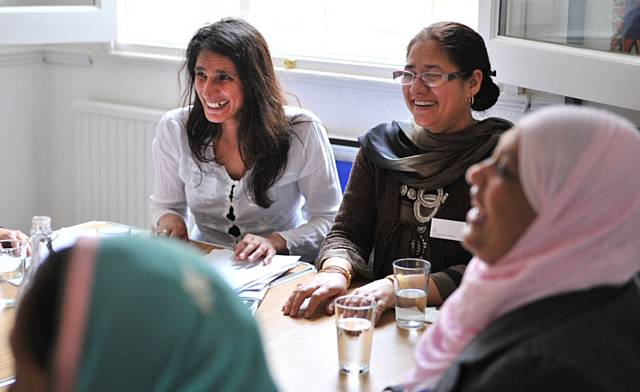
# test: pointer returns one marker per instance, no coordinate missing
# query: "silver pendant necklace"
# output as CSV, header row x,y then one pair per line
x,y
422,199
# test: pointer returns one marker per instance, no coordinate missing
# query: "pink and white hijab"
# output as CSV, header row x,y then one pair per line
x,y
579,170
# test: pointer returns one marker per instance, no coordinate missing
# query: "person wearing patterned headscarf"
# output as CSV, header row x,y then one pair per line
x,y
134,314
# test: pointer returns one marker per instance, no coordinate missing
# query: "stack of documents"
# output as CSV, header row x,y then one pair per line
x,y
250,280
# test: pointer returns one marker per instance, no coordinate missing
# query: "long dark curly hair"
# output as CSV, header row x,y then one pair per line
x,y
264,131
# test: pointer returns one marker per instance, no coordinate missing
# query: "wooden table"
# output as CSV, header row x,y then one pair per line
x,y
6,324
302,354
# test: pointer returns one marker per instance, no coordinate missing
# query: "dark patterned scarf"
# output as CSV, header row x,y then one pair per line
x,y
420,158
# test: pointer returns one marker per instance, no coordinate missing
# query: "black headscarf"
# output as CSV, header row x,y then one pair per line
x,y
421,158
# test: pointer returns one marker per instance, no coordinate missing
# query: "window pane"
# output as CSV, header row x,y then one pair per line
x,y
57,21
350,30
24,3
607,25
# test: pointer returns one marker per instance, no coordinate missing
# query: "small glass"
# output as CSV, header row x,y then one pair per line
x,y
354,325
13,259
411,283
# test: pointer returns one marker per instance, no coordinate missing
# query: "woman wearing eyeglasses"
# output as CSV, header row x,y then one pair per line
x,y
255,174
410,172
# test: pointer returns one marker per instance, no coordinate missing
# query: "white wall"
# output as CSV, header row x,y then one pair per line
x,y
347,106
37,158
23,109
137,84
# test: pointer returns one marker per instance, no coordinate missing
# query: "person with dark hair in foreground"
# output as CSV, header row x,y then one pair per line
x,y
132,314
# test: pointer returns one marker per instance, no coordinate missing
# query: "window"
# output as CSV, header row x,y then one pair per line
x,y
612,26
358,31
586,49
16,3
57,21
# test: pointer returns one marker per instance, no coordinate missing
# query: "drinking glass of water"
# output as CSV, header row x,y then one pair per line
x,y
354,325
411,282
13,258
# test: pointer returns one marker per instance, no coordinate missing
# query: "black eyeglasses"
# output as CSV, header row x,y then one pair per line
x,y
233,230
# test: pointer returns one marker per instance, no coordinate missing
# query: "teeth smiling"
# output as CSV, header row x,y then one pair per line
x,y
424,103
216,105
475,215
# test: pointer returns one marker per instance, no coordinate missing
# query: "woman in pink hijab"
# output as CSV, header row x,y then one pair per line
x,y
550,301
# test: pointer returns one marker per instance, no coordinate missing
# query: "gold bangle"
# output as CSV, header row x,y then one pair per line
x,y
337,269
391,278
340,270
330,262
402,282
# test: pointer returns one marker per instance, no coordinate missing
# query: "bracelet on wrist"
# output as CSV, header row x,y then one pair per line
x,y
391,279
339,270
402,281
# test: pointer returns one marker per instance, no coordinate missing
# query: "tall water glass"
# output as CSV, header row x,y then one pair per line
x,y
354,324
13,258
411,283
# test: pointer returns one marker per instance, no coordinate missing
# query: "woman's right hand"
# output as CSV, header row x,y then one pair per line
x,y
324,287
173,225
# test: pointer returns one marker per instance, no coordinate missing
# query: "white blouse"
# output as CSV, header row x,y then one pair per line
x,y
305,198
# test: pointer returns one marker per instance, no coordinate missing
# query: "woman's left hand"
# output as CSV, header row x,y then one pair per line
x,y
383,292
253,247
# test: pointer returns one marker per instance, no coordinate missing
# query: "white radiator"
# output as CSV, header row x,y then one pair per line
x,y
114,176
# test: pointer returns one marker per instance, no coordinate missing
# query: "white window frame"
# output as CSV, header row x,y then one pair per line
x,y
289,58
608,78
58,24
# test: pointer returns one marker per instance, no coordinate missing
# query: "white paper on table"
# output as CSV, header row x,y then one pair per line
x,y
431,315
254,295
66,237
241,274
